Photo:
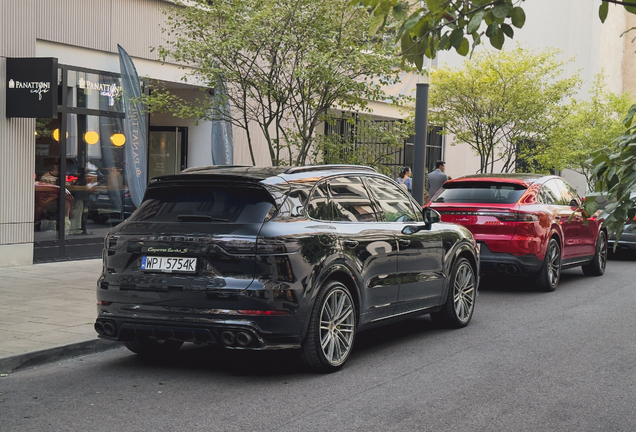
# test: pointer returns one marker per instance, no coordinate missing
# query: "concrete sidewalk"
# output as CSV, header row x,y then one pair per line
x,y
47,313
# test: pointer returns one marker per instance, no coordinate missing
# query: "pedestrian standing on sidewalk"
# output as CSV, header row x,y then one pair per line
x,y
404,178
437,178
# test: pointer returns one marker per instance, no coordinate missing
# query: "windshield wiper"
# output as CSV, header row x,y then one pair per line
x,y
200,218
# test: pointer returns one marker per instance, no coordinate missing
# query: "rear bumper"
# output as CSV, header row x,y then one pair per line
x,y
223,333
120,322
505,263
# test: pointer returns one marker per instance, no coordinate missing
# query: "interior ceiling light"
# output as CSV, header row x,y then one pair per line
x,y
91,137
118,139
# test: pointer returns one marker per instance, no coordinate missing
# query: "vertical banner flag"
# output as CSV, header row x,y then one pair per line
x,y
222,138
136,135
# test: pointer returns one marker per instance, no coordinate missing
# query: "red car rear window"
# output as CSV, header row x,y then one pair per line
x,y
480,192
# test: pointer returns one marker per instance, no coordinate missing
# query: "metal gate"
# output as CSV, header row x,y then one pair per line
x,y
352,130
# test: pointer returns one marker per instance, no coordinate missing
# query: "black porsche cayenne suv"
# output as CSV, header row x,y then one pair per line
x,y
271,258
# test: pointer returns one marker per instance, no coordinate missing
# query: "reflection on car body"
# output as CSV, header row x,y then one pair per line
x,y
299,258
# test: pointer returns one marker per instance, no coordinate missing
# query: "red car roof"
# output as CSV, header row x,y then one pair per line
x,y
522,179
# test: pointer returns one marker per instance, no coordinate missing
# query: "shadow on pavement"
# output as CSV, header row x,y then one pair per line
x,y
204,358
623,255
525,284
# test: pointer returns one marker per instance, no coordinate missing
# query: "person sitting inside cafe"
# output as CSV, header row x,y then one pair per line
x,y
74,207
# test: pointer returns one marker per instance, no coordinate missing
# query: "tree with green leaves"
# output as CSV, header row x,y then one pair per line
x,y
423,28
500,99
283,63
592,125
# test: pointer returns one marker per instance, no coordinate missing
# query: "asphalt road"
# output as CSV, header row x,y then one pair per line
x,y
529,361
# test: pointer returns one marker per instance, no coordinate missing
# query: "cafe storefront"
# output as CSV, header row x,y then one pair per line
x,y
81,183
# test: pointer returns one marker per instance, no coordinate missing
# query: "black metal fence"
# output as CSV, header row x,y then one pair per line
x,y
354,131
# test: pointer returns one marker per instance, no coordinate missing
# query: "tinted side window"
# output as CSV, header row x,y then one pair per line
x,y
350,200
550,194
204,203
318,207
568,192
395,205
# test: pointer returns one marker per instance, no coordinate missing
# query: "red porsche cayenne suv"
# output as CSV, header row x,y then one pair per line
x,y
526,224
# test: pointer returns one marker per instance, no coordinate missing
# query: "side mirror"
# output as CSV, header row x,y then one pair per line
x,y
431,216
574,203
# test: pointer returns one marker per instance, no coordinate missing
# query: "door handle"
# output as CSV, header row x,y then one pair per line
x,y
404,242
351,243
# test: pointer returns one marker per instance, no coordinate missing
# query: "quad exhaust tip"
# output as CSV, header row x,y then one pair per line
x,y
228,338
241,338
99,328
109,329
507,268
105,328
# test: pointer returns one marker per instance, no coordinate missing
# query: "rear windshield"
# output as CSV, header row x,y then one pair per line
x,y
213,203
480,192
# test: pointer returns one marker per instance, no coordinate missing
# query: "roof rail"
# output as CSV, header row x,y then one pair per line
x,y
301,169
212,167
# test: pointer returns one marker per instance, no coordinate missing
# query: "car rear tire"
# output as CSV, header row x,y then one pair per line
x,y
550,273
151,347
332,329
597,266
460,301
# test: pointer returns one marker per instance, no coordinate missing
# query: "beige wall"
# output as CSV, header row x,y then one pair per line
x,y
612,54
629,63
17,152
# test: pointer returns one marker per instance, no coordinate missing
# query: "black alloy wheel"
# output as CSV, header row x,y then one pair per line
x,y
550,273
332,328
460,302
597,266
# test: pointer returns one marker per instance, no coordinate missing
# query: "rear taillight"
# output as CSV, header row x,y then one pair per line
x,y
110,241
527,217
503,216
263,312
267,246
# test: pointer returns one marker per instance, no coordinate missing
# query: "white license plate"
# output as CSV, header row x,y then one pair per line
x,y
169,264
103,197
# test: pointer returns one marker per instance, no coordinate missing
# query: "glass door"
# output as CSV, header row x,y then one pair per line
x,y
166,150
80,182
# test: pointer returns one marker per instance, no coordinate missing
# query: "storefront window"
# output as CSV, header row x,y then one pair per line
x,y
95,187
94,91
